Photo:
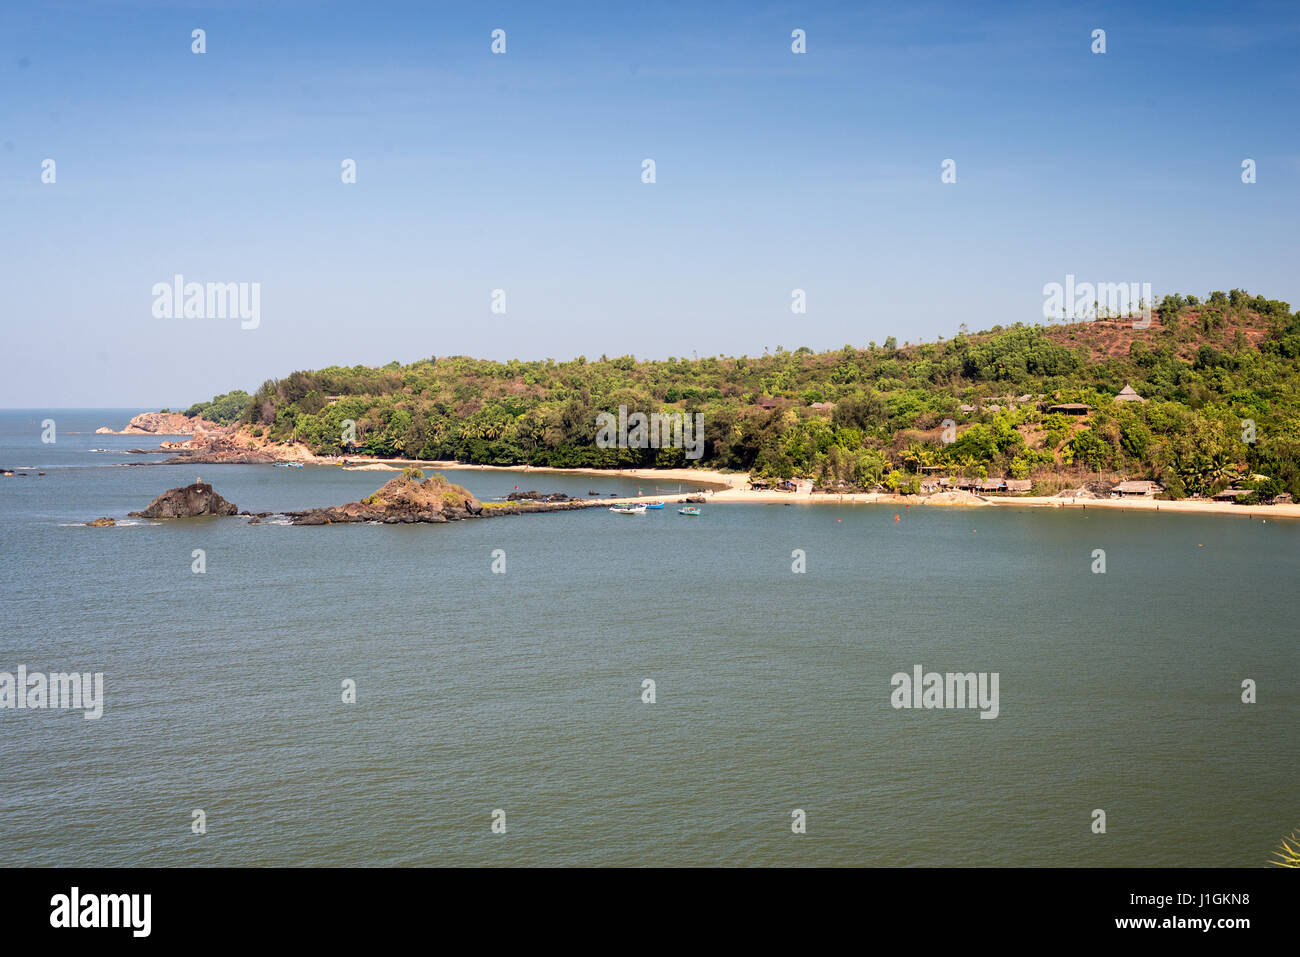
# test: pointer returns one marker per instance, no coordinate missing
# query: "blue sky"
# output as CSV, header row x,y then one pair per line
x,y
522,172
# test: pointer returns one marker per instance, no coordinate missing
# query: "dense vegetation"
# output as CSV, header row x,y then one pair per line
x,y
1206,367
224,409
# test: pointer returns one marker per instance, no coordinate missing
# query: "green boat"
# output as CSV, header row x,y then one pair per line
x,y
688,510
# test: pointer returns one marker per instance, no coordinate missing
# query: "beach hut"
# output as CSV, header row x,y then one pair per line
x,y
1229,494
1136,487
1019,485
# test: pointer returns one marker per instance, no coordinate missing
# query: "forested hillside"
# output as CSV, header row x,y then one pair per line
x,y
1208,369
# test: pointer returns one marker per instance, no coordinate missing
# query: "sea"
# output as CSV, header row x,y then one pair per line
x,y
584,688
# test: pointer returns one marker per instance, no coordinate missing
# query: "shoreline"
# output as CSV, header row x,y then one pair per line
x,y
730,489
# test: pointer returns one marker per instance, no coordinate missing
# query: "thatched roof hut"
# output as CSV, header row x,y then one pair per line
x,y
1137,487
1127,394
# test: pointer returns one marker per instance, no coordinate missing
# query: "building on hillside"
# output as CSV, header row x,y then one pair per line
x,y
1136,487
823,406
1069,408
768,403
1127,394
966,408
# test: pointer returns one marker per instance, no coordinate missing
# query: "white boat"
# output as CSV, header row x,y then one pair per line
x,y
627,509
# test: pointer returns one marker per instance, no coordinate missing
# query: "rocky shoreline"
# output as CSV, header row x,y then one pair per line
x,y
408,499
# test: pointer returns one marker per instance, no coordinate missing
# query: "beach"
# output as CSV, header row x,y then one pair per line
x,y
732,488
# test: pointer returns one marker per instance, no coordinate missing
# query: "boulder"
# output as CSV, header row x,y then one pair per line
x,y
191,501
101,523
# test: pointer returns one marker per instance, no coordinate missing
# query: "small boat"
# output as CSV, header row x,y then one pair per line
x,y
288,465
627,509
655,505
688,510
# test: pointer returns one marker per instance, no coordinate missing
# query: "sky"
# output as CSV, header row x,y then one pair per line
x,y
522,171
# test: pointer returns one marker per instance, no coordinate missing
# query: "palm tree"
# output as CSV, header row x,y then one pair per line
x,y
1288,856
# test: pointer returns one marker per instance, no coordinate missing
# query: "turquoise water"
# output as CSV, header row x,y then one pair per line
x,y
521,691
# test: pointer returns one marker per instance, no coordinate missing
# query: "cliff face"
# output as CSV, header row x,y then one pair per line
x,y
188,502
407,499
162,423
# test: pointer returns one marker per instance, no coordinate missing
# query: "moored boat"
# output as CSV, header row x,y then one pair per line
x,y
627,509
688,510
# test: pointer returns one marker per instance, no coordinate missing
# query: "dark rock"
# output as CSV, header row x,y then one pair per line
x,y
188,502
536,497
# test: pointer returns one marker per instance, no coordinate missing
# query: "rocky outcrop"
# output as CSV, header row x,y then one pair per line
x,y
162,423
102,523
536,497
408,499
230,446
1081,492
191,501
